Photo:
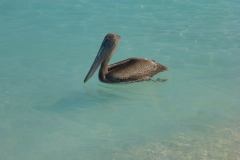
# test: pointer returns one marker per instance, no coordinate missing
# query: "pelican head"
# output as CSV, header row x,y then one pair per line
x,y
107,49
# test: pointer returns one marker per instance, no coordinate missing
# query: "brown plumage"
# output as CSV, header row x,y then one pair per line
x,y
126,71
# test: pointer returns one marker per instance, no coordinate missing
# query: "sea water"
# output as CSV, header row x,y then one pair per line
x,y
47,112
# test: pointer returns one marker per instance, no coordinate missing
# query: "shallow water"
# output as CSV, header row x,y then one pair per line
x,y
47,112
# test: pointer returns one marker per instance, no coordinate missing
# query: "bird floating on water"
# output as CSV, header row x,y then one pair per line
x,y
126,71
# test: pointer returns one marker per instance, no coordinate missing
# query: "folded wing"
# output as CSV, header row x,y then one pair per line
x,y
134,69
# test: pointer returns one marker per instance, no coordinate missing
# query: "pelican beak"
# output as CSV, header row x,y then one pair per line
x,y
104,51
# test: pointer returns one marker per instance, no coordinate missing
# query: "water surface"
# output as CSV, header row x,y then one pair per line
x,y
47,112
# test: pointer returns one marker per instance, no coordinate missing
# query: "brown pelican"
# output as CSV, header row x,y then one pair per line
x,y
126,71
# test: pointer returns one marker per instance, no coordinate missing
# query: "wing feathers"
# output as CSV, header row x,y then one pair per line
x,y
133,69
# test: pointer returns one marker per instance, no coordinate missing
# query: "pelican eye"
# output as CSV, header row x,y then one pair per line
x,y
108,42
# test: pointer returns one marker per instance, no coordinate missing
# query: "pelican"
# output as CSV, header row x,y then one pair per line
x,y
126,71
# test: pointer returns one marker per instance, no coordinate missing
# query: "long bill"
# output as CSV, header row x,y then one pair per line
x,y
103,53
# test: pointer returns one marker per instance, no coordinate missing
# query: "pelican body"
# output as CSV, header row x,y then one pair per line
x,y
126,71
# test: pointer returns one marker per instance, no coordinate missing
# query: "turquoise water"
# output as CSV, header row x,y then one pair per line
x,y
47,112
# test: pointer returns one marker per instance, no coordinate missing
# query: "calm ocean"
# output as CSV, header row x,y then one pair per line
x,y
48,113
